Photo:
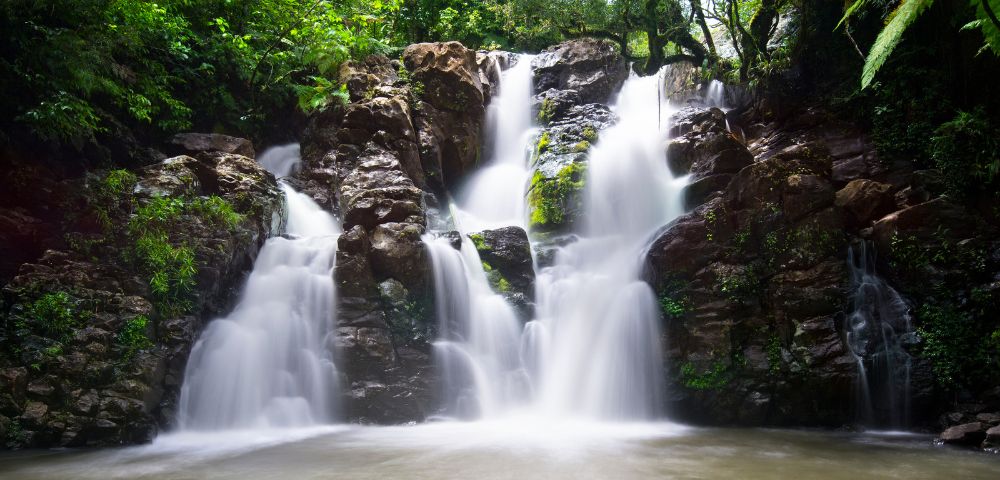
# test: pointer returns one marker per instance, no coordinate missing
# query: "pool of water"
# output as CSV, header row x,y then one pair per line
x,y
526,449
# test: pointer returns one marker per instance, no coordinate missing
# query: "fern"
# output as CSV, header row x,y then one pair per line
x,y
850,11
987,22
905,14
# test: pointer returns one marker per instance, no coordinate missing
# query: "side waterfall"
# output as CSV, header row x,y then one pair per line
x,y
876,330
269,363
593,350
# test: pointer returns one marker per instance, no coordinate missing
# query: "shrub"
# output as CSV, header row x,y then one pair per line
x,y
133,338
967,151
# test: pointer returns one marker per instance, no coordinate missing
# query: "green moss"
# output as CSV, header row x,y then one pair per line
x,y
479,241
673,307
715,378
549,198
581,147
590,134
502,285
543,144
547,111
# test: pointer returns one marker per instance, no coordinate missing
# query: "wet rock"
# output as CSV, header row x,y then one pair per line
x,y
559,165
866,200
554,104
507,252
590,66
992,439
193,143
968,434
702,189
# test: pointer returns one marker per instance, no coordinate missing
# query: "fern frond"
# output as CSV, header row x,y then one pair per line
x,y
905,14
986,19
850,11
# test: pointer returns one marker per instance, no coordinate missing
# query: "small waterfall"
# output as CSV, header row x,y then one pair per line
x,y
593,350
877,329
494,196
479,333
715,94
269,362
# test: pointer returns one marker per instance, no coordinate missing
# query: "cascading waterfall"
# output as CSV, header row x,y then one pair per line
x,y
269,362
593,349
715,94
877,329
494,196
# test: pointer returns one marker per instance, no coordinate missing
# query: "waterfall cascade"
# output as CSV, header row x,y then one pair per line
x,y
269,362
877,329
593,350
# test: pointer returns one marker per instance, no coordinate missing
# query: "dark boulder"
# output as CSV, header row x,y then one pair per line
x,y
591,67
193,143
506,254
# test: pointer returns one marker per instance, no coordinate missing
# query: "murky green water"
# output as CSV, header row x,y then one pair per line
x,y
516,451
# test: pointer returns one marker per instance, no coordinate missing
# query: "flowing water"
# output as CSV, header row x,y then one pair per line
x,y
269,362
593,350
509,450
877,329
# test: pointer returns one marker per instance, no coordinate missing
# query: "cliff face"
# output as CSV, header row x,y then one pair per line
x,y
97,334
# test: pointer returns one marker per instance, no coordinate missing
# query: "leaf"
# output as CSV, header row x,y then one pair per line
x,y
905,14
986,21
850,11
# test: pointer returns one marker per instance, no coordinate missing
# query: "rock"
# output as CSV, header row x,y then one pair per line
x,y
697,120
397,252
922,222
866,200
193,143
968,434
726,161
507,252
989,418
554,104
702,189
591,67
86,390
559,166
992,439
451,111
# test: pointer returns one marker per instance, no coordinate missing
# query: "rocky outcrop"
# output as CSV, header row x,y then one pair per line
x,y
194,143
410,131
506,256
591,67
96,337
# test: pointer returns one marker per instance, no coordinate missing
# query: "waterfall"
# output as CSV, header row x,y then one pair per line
x,y
715,94
494,196
593,350
269,362
877,329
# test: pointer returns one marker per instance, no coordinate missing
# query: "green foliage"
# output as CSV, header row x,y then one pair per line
x,y
966,150
590,134
15,435
741,285
715,378
543,144
905,14
774,358
953,341
133,337
550,198
581,147
53,315
171,267
673,307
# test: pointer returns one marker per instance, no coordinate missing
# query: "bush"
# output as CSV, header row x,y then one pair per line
x,y
53,315
133,337
967,151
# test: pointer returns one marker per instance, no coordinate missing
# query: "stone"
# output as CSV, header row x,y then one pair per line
x,y
507,251
992,439
591,67
192,143
866,200
702,189
968,434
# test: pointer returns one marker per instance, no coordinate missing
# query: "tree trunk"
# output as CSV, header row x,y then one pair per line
x,y
699,15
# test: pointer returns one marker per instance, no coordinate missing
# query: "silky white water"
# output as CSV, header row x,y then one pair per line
x,y
876,330
269,363
494,196
593,350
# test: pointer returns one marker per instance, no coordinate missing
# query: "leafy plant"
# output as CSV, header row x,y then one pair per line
x,y
133,337
53,314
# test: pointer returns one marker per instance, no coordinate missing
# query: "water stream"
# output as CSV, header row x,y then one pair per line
x,y
269,363
877,328
593,350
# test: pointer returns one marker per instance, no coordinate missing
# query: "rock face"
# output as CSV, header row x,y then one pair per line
x,y
411,130
193,143
575,80
507,254
589,66
94,352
